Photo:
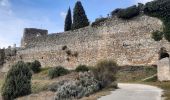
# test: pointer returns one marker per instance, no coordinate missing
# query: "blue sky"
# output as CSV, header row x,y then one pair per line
x,y
15,15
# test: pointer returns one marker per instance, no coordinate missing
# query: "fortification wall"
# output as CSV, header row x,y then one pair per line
x,y
128,42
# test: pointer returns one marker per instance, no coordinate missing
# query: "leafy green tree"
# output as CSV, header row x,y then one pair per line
x,y
80,19
17,82
68,21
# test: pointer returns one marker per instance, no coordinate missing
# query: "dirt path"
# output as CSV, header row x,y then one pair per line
x,y
134,92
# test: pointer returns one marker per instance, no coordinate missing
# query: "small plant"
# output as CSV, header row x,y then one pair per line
x,y
57,71
157,35
68,52
64,47
82,68
35,66
105,72
75,54
17,82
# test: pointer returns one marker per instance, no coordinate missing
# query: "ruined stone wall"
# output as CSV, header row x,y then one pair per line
x,y
128,42
30,34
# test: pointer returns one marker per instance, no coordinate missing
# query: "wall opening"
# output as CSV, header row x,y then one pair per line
x,y
163,53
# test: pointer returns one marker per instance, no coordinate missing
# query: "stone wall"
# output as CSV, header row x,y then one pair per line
x,y
128,42
30,34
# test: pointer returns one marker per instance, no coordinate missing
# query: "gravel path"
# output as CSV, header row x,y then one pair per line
x,y
134,92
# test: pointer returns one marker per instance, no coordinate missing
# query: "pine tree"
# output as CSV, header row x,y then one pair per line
x,y
68,21
79,17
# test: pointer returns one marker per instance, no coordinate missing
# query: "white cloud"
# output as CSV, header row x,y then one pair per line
x,y
63,14
142,1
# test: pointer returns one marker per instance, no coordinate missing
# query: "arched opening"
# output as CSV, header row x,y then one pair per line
x,y
163,53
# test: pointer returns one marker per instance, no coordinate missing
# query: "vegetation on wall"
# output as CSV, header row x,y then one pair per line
x,y
17,82
129,12
68,21
80,19
98,21
157,35
161,10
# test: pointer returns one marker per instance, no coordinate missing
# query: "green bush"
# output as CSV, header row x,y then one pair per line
x,y
129,12
57,71
114,12
105,72
17,82
35,66
98,21
157,35
82,68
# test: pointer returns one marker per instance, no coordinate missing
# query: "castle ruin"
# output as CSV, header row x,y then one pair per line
x,y
128,42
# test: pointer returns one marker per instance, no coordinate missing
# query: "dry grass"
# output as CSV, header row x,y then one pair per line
x,y
135,75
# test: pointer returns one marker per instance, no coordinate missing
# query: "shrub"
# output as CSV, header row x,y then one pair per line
x,y
85,85
129,12
69,91
89,83
54,87
98,21
105,72
157,35
82,68
35,66
57,71
114,12
17,82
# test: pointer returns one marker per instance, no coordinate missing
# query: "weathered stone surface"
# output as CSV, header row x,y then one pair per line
x,y
164,69
128,42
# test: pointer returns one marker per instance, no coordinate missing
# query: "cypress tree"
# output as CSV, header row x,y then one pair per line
x,y
68,21
79,17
